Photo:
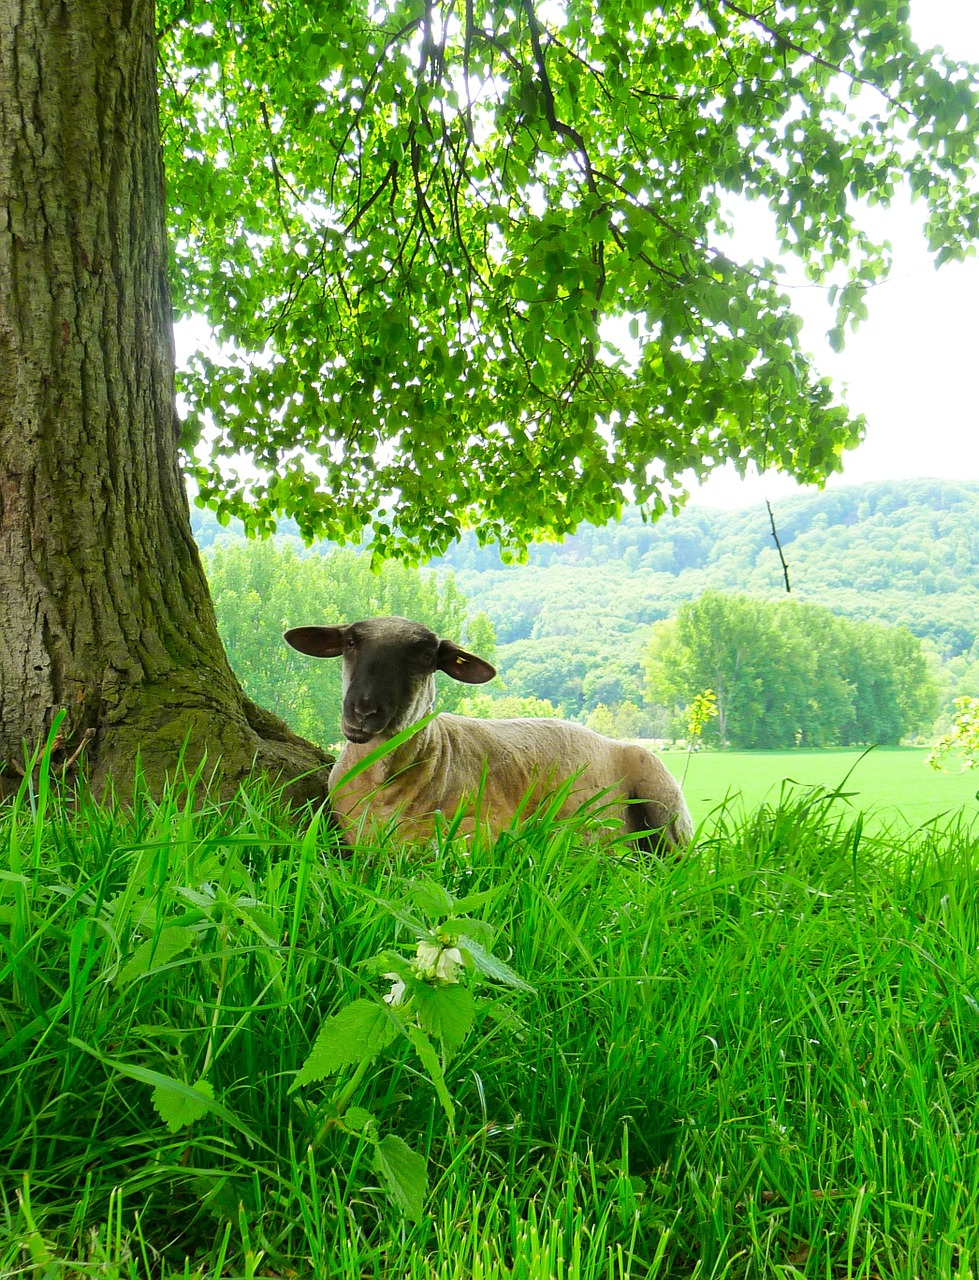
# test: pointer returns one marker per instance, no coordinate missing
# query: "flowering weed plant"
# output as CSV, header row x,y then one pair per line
x,y
429,1008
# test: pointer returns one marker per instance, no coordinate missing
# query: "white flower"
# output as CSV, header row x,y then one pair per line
x,y
448,962
426,958
397,992
436,963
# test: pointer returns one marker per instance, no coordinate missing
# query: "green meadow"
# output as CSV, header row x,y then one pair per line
x,y
887,785
227,1051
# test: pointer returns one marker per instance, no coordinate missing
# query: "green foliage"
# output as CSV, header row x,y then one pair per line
x,y
427,1007
625,720
901,552
484,706
411,226
575,622
792,1004
577,673
261,589
404,1174
702,709
176,1108
791,674
585,618
963,738
359,1032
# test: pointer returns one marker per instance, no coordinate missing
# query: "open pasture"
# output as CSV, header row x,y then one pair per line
x,y
889,786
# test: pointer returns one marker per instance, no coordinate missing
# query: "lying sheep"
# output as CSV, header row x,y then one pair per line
x,y
490,766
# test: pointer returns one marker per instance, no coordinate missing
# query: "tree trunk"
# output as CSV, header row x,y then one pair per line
x,y
104,606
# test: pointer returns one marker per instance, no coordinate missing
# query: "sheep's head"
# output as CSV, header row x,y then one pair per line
x,y
389,667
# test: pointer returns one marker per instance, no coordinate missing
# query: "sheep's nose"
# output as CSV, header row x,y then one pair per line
x,y
366,706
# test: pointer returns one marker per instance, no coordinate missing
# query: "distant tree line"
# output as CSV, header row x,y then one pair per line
x,y
784,674
899,552
923,526
903,553
791,674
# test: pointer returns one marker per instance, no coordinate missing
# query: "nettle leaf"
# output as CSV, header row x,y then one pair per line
x,y
446,1013
169,1085
482,898
404,1174
465,927
156,953
492,966
358,1118
260,922
357,1033
430,898
173,1103
433,1066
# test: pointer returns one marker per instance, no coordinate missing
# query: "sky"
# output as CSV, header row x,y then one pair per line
x,y
912,368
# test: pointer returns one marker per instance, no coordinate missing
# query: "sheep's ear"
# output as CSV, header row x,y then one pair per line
x,y
317,642
458,664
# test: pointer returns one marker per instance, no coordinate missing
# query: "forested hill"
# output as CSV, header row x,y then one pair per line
x,y
574,625
901,552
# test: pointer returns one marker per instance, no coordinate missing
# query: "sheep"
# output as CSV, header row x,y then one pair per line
x,y
489,766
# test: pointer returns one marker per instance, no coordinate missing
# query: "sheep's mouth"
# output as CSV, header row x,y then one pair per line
x,y
358,736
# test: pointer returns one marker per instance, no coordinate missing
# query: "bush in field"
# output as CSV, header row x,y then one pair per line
x,y
626,720
484,706
963,739
790,674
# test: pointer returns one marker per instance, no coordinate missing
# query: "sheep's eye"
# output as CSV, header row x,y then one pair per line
x,y
350,644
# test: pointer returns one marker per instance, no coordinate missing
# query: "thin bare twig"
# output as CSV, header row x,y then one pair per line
x,y
785,567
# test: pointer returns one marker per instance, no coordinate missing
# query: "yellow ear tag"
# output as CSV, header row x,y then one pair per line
x,y
460,662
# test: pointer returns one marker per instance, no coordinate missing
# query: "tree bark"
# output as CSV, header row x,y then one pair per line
x,y
104,606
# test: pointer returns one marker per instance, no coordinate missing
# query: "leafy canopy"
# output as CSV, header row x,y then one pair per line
x,y
412,223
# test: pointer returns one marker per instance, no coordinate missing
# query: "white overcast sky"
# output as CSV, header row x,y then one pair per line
x,y
912,368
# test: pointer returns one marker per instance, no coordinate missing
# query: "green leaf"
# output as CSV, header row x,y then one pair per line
x,y
473,901
433,1065
446,1014
430,898
465,927
357,1118
404,1174
262,923
357,1033
155,953
491,965
147,1076
175,1108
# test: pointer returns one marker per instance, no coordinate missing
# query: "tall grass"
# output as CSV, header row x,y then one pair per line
x,y
758,1060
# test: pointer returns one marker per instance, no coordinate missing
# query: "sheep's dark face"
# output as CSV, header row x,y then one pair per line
x,y
389,667
388,677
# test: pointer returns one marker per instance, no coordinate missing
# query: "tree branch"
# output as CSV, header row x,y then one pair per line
x,y
785,567
820,61
550,112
